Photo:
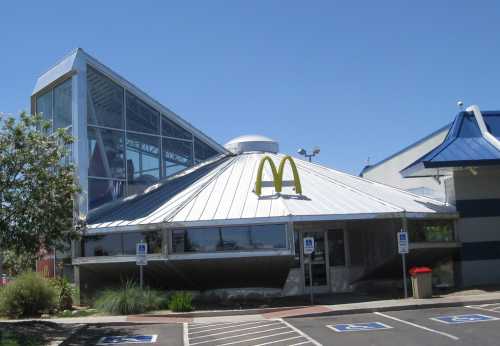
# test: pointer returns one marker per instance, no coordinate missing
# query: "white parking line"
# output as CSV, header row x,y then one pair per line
x,y
208,325
417,326
495,307
236,330
231,326
257,338
237,336
314,342
185,337
301,343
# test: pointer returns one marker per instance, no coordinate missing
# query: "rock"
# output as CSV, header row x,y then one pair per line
x,y
45,316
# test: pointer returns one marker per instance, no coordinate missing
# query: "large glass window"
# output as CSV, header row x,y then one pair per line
x,y
62,105
177,155
269,236
430,230
143,161
44,105
106,153
102,245
105,100
117,244
202,151
141,117
236,238
104,190
152,238
171,129
260,237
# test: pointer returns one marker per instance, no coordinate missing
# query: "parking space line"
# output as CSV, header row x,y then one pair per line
x,y
314,342
273,342
231,326
301,343
486,307
238,336
208,325
417,326
257,338
185,337
232,331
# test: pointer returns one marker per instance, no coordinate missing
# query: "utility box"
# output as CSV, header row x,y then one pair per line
x,y
421,282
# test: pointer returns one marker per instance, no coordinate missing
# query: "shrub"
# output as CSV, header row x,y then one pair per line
x,y
26,296
65,292
181,302
129,299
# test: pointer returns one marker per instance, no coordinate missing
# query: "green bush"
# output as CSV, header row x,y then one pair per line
x,y
65,292
181,302
26,296
129,299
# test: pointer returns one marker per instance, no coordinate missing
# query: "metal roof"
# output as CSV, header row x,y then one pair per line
x,y
465,145
224,194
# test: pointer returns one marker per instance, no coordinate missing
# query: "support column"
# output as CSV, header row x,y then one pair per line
x,y
76,278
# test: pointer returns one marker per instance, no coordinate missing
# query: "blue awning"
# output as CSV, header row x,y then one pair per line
x,y
464,146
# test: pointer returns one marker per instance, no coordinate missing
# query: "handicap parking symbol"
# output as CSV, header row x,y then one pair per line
x,y
459,319
358,327
129,339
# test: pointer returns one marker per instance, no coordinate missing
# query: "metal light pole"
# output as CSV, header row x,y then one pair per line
x,y
303,152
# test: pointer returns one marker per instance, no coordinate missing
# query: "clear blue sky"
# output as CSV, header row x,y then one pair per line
x,y
357,79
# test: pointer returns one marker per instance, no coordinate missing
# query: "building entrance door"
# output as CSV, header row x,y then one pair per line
x,y
319,262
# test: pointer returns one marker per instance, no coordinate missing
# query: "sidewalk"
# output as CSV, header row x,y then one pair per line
x,y
455,299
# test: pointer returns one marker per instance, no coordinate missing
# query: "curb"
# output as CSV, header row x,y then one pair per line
x,y
396,308
222,313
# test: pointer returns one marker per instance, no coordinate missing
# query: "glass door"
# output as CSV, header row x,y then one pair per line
x,y
319,263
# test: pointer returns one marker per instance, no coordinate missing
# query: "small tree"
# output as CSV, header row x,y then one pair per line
x,y
37,186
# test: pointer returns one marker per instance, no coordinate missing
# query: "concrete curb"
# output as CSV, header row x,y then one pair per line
x,y
221,313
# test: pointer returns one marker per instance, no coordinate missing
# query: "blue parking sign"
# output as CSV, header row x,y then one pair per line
x,y
130,339
358,327
459,319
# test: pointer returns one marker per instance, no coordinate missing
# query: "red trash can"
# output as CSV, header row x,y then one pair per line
x,y
421,282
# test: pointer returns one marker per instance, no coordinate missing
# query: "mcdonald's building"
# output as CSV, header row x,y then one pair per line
x,y
222,217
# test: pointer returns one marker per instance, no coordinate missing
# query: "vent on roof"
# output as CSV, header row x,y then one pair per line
x,y
252,143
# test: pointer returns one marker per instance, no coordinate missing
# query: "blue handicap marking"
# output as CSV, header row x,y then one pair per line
x,y
457,319
358,327
129,339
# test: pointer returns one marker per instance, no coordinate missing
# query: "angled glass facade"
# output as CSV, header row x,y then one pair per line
x,y
130,141
131,144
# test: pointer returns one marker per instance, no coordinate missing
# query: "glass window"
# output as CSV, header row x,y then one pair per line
x,y
430,230
202,240
103,191
178,241
141,117
236,238
177,155
143,161
152,238
269,236
171,129
105,100
102,245
106,153
203,151
336,247
62,105
44,105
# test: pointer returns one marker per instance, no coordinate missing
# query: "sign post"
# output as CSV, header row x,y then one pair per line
x,y
141,250
308,250
403,249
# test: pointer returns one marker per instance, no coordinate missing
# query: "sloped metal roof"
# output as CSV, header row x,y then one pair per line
x,y
223,193
465,145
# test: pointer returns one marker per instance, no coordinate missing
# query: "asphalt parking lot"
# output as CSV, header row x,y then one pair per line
x,y
471,325
474,325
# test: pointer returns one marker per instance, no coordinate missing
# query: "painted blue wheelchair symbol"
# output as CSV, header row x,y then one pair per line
x,y
130,339
358,327
458,319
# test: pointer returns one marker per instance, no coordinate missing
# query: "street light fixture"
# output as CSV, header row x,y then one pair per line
x,y
303,152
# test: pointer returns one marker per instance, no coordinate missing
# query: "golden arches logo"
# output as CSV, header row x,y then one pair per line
x,y
277,174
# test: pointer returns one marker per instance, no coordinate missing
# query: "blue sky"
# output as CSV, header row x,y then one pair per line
x,y
358,79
